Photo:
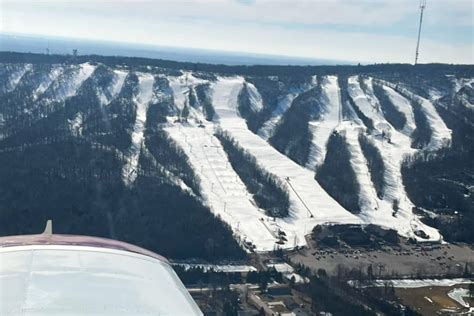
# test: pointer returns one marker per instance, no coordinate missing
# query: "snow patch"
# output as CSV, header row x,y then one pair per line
x,y
458,295
227,268
288,272
75,125
416,283
459,83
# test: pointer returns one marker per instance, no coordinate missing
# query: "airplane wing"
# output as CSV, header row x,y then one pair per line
x,y
52,274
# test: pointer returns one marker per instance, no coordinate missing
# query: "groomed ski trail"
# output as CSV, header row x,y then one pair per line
x,y
309,203
321,129
145,94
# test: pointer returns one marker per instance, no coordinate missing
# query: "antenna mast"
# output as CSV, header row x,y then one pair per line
x,y
422,8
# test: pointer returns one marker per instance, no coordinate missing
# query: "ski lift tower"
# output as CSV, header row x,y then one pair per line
x,y
422,8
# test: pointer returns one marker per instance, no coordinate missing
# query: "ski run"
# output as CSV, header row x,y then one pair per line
x,y
145,94
113,89
441,134
321,129
223,191
284,103
69,82
268,128
16,77
47,80
393,146
310,205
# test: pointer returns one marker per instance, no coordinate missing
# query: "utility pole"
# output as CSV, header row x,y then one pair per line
x,y
422,8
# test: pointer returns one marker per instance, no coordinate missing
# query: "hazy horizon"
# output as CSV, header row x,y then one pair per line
x,y
339,30
30,43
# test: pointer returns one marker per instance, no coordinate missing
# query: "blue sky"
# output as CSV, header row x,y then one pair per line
x,y
353,30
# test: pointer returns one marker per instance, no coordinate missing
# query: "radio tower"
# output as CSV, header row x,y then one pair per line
x,y
422,8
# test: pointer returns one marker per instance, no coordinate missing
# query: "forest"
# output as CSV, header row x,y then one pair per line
x,y
341,185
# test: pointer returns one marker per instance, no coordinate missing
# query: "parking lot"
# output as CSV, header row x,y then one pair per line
x,y
404,260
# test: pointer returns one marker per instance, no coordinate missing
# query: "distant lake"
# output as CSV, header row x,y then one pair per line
x,y
56,45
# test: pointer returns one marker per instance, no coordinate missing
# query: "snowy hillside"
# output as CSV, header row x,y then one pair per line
x,y
281,125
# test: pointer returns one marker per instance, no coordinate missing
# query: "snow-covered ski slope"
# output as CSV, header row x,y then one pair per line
x,y
256,102
394,146
145,94
222,188
309,202
331,118
68,83
107,94
16,76
47,80
403,106
441,134
284,103
220,185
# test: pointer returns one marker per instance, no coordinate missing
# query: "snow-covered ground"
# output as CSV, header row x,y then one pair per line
x,y
228,197
458,294
221,187
70,87
75,125
309,203
16,76
256,102
181,86
223,190
416,283
441,134
459,83
366,103
268,128
322,128
368,200
67,83
288,272
394,147
403,106
228,268
47,80
107,94
145,94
